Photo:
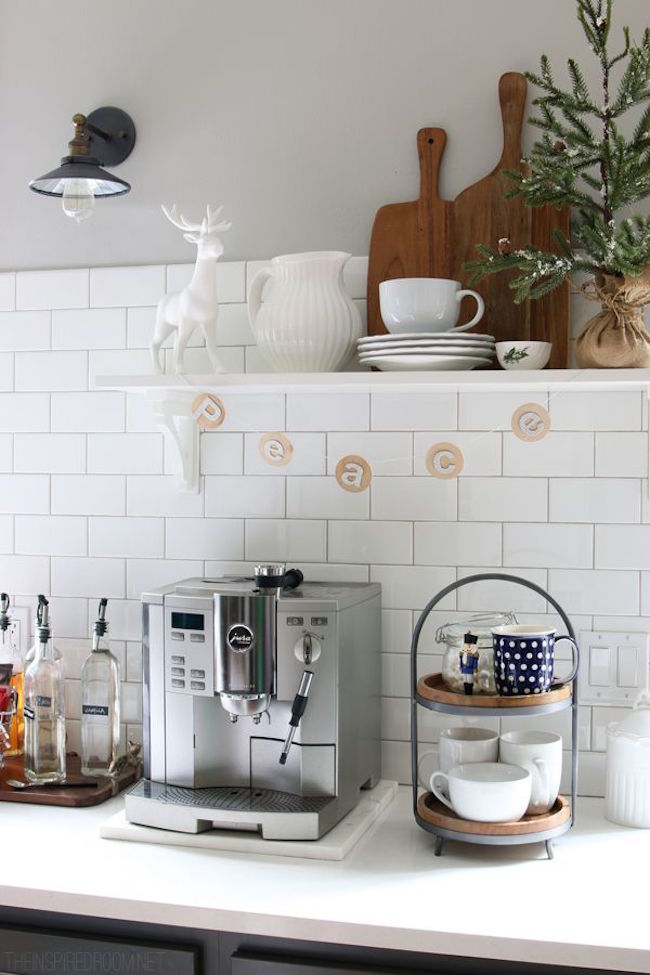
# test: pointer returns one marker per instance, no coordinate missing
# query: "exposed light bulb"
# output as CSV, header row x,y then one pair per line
x,y
78,199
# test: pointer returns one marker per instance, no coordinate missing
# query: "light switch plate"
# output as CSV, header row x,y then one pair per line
x,y
613,666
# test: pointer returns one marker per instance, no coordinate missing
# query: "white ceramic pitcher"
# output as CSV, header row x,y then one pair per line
x,y
307,323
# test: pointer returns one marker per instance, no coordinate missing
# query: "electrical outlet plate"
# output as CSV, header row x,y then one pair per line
x,y
22,626
613,666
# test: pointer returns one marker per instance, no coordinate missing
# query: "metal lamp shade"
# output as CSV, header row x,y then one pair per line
x,y
101,182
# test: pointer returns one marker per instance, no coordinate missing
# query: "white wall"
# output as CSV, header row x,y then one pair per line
x,y
299,115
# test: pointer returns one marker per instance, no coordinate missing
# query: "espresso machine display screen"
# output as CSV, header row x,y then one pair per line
x,y
187,621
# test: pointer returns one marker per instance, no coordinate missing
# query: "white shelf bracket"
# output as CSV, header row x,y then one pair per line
x,y
173,415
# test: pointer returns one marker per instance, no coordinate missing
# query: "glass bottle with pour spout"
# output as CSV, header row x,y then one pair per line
x,y
100,703
44,706
10,656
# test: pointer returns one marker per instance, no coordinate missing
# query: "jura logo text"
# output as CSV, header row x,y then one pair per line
x,y
240,638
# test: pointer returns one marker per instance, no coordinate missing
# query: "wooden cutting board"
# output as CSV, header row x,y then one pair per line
x,y
67,795
482,215
412,240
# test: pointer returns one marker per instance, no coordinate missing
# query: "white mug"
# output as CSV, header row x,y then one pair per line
x,y
541,753
463,745
425,305
486,792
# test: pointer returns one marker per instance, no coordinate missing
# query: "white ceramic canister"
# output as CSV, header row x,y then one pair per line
x,y
307,322
627,784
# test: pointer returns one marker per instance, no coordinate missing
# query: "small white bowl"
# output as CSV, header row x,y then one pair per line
x,y
523,355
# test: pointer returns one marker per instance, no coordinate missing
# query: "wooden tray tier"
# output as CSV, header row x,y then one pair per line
x,y
432,691
436,814
69,795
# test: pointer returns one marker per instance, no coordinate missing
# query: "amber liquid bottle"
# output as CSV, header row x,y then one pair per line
x,y
10,654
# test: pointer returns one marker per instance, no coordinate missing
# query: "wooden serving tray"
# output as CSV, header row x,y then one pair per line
x,y
433,688
105,788
436,813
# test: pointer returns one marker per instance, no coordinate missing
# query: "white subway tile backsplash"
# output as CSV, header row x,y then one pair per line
x,y
50,535
452,543
322,497
70,619
24,494
158,496
52,289
88,495
128,453
493,411
502,499
91,577
596,411
51,371
131,702
371,541
143,575
140,324
387,453
596,591
286,541
26,573
97,328
322,411
139,416
49,453
125,617
222,453
233,327
418,498
204,538
197,362
497,596
245,497
557,455
411,587
622,547
549,546
101,412
7,291
308,455
6,534
601,718
126,537
621,455
396,630
24,412
118,362
594,500
335,572
481,451
24,330
112,287
413,411
246,413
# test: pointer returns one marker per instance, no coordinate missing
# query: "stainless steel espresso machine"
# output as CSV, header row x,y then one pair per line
x,y
261,704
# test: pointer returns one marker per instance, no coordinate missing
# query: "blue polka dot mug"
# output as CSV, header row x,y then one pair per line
x,y
524,658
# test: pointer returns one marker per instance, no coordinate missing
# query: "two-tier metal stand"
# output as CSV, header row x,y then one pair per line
x,y
428,692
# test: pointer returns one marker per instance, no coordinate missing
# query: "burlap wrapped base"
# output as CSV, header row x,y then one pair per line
x,y
616,338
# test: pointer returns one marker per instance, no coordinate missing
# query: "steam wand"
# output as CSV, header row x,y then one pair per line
x,y
297,711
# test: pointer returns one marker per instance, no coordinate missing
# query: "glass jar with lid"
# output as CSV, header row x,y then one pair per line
x,y
452,636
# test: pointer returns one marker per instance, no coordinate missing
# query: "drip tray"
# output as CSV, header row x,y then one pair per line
x,y
232,799
334,845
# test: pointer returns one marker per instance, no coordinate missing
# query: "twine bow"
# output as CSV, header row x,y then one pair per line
x,y
625,302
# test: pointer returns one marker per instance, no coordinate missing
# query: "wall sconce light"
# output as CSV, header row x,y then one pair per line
x,y
105,137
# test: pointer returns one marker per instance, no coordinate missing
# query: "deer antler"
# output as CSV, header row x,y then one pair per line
x,y
179,220
213,226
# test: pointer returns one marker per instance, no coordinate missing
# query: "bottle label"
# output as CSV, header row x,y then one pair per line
x,y
29,714
94,709
43,702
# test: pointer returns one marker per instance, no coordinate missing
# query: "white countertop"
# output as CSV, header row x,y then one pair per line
x,y
586,908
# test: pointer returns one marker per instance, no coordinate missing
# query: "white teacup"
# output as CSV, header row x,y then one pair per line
x,y
541,753
489,792
425,305
463,746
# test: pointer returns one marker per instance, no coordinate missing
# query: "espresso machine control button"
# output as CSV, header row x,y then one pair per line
x,y
197,685
177,660
178,671
177,636
198,673
197,638
319,621
308,648
177,683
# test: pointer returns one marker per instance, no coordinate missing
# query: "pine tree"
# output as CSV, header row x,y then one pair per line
x,y
582,160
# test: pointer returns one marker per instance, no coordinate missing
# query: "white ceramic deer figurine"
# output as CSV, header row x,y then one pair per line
x,y
197,305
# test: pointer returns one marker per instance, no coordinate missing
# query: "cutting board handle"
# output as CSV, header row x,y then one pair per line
x,y
513,90
431,145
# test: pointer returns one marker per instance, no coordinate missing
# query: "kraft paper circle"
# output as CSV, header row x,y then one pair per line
x,y
353,473
208,411
444,460
531,422
275,449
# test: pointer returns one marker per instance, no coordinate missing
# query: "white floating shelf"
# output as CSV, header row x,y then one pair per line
x,y
368,382
171,396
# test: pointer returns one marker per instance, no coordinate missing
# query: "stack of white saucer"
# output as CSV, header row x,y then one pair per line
x,y
427,350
